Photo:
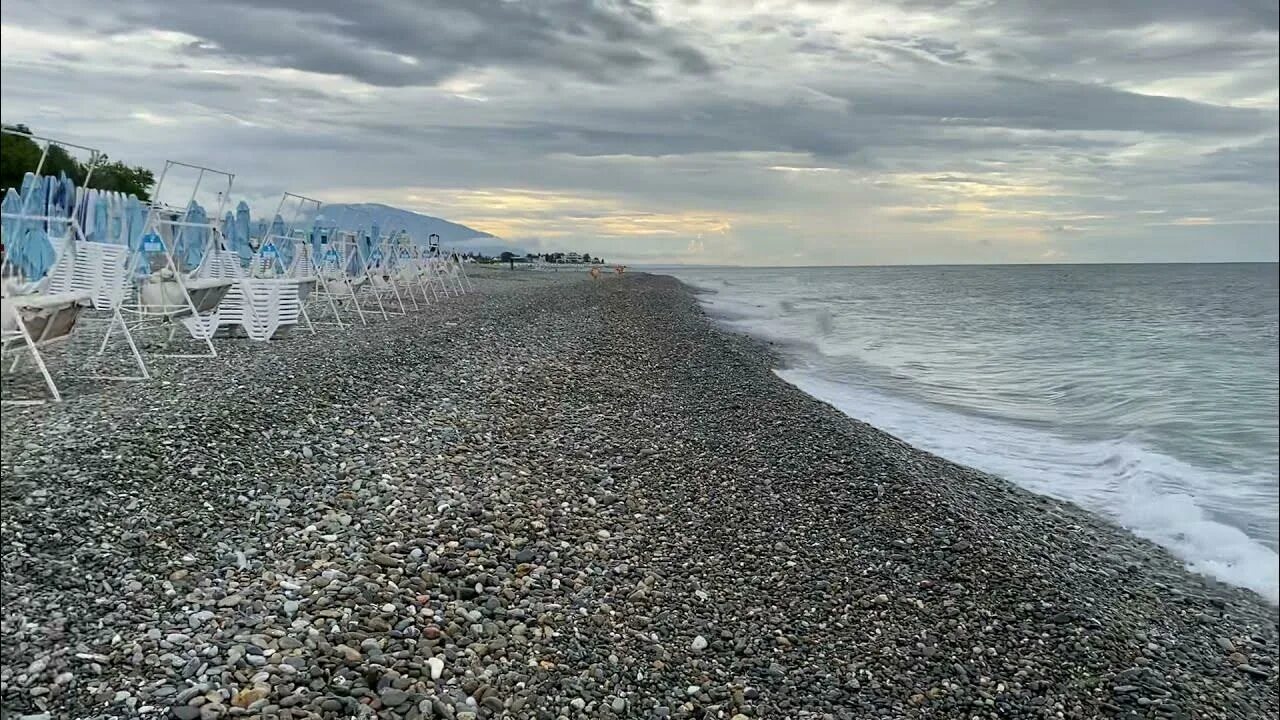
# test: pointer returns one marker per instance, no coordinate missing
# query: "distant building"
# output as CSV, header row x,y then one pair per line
x,y
573,257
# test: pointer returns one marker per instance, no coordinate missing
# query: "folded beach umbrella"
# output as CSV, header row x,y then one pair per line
x,y
275,231
191,240
33,195
101,217
277,226
375,244
11,205
68,195
82,200
48,195
240,241
83,213
28,249
62,205
14,250
44,203
115,231
135,222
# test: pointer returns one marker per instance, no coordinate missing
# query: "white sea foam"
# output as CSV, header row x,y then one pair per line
x,y
1070,431
1119,480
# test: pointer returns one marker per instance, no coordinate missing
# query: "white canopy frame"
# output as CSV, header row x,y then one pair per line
x,y
83,274
405,270
335,285
383,283
171,292
302,266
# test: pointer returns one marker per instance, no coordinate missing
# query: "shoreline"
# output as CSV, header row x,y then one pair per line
x,y
1211,540
578,498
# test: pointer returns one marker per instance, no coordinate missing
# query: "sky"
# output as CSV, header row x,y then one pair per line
x,y
755,132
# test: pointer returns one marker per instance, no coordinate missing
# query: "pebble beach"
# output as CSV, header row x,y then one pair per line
x,y
566,498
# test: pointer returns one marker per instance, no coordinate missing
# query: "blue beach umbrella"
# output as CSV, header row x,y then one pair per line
x,y
115,233
228,226
375,245
11,205
101,219
15,250
191,240
276,230
277,226
68,195
27,245
48,195
34,193
135,215
242,231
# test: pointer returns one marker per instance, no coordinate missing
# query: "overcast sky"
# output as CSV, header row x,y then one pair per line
x,y
722,131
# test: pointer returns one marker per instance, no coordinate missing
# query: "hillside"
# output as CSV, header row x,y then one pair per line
x,y
454,235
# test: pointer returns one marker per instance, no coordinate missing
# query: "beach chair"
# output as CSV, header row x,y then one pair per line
x,y
406,270
336,287
261,306
83,276
172,288
462,272
100,271
382,283
30,323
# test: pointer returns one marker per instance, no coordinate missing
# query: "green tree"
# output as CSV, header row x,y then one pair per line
x,y
586,258
119,177
21,155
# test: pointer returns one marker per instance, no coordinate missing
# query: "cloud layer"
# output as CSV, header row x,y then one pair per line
x,y
763,133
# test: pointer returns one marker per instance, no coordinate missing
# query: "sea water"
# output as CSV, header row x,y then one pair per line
x,y
1145,393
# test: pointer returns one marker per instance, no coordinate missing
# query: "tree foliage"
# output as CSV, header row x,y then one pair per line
x,y
21,155
121,178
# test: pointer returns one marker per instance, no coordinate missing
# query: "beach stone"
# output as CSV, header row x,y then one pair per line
x,y
392,697
560,496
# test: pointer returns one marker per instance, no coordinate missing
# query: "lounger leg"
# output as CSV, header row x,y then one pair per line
x,y
133,347
111,326
337,317
44,371
355,302
39,361
302,307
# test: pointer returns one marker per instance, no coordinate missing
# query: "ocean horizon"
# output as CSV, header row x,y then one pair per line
x,y
1143,392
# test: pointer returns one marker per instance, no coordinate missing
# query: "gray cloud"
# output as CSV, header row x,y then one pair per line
x,y
784,128
1055,18
403,42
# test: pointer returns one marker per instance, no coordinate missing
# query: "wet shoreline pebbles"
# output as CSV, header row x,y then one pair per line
x,y
566,498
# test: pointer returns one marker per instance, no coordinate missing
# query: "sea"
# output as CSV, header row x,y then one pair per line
x,y
1147,394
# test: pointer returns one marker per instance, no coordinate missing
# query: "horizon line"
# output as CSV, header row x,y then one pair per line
x,y
962,264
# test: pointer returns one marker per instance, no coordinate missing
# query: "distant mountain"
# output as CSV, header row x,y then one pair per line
x,y
390,219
